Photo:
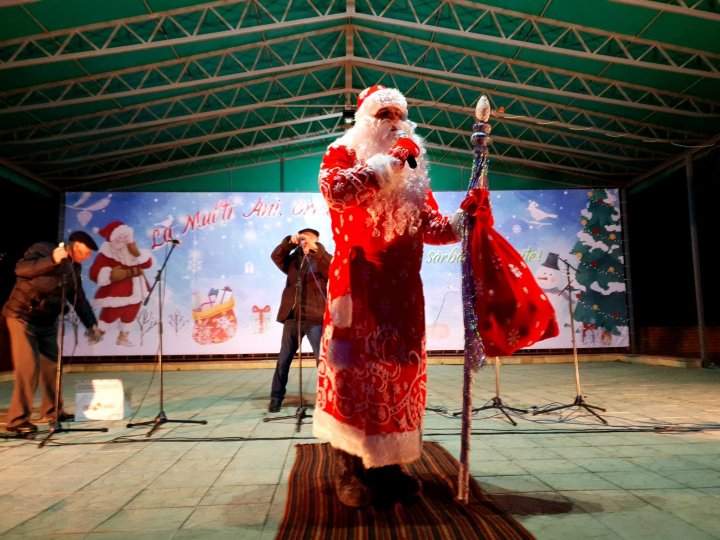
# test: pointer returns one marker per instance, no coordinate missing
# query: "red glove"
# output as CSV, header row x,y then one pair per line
x,y
403,148
477,203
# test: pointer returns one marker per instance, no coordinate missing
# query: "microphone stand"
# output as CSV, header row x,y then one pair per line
x,y
301,411
496,402
161,417
579,400
55,426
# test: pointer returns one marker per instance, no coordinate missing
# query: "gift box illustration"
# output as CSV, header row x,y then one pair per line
x,y
260,316
214,319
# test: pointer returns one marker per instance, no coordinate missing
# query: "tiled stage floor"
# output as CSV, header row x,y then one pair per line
x,y
653,471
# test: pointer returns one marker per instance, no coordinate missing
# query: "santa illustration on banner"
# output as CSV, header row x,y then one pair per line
x,y
119,271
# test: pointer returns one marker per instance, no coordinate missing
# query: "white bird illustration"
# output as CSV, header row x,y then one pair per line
x,y
166,222
85,213
537,214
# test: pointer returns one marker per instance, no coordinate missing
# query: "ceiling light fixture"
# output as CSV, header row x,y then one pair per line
x,y
348,117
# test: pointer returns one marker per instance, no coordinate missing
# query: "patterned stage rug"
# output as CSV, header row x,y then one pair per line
x,y
314,512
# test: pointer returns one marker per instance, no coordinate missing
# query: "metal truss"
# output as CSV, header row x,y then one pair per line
x,y
202,125
466,19
461,18
181,157
300,134
44,131
216,20
541,114
258,60
239,63
109,127
697,8
224,101
207,140
189,163
279,90
560,155
432,58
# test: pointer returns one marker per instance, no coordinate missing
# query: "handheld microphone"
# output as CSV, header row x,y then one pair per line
x,y
175,242
66,247
66,266
412,163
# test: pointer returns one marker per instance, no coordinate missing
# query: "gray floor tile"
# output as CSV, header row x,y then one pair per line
x,y
651,472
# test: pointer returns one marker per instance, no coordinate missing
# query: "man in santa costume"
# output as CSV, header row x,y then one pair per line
x,y
372,367
118,270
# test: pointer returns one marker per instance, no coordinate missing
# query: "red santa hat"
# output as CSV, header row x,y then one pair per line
x,y
117,231
377,97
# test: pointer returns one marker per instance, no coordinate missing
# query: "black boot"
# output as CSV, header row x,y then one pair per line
x,y
393,482
349,484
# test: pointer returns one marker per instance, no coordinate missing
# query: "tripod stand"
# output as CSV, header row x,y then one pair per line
x,y
55,426
579,400
496,402
161,417
301,411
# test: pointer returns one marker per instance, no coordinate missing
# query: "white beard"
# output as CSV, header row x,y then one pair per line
x,y
119,252
369,137
396,208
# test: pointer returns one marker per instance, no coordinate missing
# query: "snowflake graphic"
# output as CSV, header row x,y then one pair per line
x,y
195,261
513,337
226,324
515,271
202,334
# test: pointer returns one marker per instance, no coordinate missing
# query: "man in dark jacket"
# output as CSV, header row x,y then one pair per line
x,y
32,312
306,263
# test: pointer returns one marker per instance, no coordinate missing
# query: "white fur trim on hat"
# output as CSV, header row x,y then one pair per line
x,y
117,231
123,234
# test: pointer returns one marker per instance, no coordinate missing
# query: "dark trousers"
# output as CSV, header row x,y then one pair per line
x,y
34,352
288,348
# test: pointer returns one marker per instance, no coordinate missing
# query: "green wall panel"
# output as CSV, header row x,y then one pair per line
x,y
301,174
297,175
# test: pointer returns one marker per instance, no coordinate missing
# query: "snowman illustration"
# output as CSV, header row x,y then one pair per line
x,y
551,279
553,282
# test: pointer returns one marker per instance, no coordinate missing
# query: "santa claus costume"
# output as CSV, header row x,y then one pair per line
x,y
372,367
118,270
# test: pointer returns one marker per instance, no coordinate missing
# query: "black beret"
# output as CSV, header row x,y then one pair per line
x,y
308,229
84,238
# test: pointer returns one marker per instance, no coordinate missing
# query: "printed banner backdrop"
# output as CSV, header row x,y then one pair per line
x,y
219,290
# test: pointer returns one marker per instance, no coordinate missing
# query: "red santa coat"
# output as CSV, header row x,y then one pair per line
x,y
126,292
372,368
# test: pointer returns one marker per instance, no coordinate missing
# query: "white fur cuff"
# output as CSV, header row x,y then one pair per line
x,y
387,176
341,311
339,353
457,222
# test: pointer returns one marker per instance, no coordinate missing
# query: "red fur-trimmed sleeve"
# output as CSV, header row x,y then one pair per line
x,y
343,181
437,228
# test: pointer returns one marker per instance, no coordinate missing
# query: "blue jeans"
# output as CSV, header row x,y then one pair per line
x,y
288,348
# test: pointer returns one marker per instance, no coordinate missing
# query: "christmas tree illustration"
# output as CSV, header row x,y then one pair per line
x,y
601,301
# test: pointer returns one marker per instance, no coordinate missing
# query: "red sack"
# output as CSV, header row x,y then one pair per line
x,y
512,310
215,324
